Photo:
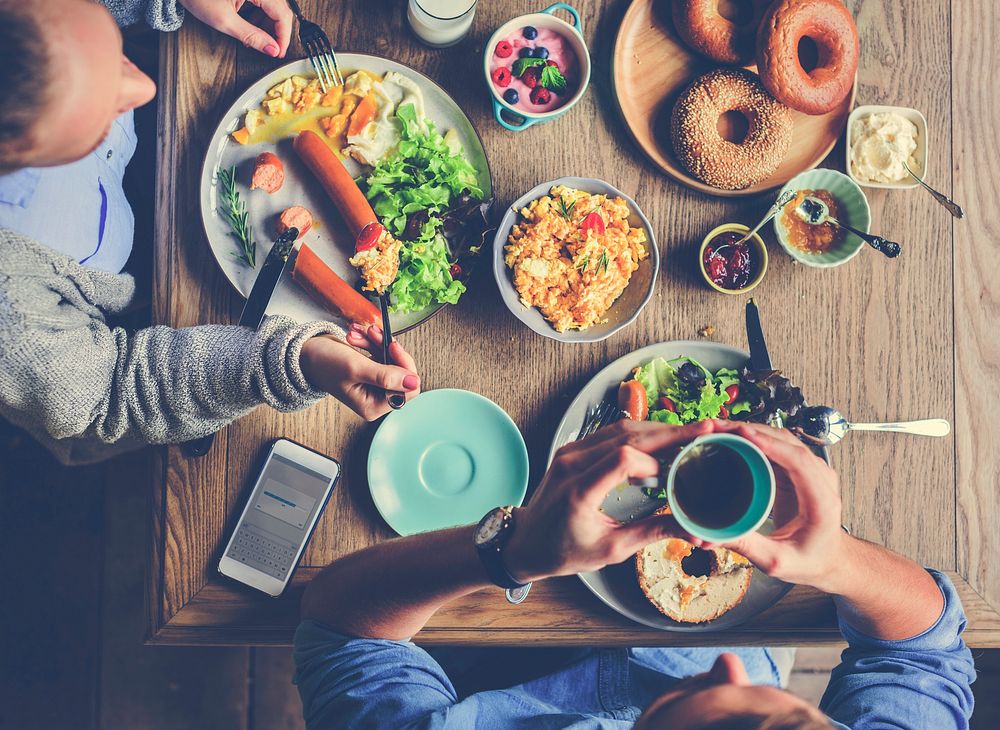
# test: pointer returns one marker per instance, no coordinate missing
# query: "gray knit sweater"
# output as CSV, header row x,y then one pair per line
x,y
88,389
159,14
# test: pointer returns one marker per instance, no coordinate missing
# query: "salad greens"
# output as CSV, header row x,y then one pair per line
x,y
694,392
421,181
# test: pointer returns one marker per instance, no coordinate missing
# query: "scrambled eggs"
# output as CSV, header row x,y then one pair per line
x,y
568,264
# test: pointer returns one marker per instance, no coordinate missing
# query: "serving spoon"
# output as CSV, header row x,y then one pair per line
x,y
780,203
825,426
815,212
954,208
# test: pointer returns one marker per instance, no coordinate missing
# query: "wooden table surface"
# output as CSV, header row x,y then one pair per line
x,y
910,338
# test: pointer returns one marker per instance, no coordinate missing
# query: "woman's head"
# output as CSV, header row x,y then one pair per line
x,y
63,81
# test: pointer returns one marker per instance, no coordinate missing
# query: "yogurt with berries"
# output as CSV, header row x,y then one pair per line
x,y
534,70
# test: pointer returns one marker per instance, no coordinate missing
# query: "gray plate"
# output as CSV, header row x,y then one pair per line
x,y
328,239
616,585
625,309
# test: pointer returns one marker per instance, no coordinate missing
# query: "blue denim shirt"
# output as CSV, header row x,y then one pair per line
x,y
78,209
922,682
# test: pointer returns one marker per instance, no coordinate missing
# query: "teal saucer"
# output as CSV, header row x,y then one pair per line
x,y
446,459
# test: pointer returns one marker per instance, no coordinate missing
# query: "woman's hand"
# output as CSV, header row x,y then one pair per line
x,y
270,33
563,530
807,545
352,377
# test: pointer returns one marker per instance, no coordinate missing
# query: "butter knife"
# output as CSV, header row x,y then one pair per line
x,y
253,311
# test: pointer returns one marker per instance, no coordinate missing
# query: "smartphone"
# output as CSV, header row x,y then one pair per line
x,y
286,501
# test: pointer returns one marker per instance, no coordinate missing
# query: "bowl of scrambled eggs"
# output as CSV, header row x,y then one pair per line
x,y
575,259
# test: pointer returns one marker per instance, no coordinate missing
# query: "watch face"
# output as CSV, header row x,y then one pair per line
x,y
490,527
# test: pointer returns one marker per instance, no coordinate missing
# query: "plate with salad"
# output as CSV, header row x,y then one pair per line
x,y
679,382
412,152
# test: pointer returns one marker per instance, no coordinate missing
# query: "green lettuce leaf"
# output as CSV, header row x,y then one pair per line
x,y
424,277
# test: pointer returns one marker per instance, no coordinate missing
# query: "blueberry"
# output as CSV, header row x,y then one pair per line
x,y
525,52
541,52
511,96
530,32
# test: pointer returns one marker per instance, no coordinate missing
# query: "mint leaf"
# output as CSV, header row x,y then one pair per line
x,y
523,64
553,80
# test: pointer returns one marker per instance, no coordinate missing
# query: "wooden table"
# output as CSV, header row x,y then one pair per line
x,y
915,337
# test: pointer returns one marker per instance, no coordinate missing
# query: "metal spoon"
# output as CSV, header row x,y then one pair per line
x,y
954,208
815,212
780,203
826,426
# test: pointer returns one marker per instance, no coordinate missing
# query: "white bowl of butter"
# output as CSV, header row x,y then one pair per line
x,y
880,139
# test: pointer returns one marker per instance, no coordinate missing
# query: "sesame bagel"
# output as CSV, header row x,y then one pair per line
x,y
831,27
708,32
710,157
691,598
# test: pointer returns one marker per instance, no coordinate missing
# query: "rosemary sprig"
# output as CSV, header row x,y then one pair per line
x,y
234,210
603,263
583,263
566,210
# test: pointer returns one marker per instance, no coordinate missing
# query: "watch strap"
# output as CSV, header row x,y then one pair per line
x,y
491,555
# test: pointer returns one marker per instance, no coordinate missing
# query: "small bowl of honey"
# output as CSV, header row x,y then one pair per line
x,y
825,245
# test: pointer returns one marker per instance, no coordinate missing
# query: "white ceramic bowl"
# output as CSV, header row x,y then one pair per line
x,y
920,155
572,34
625,309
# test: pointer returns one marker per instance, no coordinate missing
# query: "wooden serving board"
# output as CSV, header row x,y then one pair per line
x,y
651,66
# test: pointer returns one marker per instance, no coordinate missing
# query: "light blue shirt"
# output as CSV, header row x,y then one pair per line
x,y
78,209
922,682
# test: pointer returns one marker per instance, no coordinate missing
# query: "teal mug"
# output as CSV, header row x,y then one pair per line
x,y
761,498
543,19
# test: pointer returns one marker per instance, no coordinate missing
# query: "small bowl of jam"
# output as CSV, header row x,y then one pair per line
x,y
731,267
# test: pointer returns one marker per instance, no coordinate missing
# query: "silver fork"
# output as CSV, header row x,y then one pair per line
x,y
319,50
599,416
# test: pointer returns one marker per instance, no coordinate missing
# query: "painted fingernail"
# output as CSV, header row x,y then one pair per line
x,y
411,382
272,50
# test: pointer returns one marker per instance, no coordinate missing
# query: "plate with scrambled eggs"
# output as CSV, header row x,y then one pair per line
x,y
575,259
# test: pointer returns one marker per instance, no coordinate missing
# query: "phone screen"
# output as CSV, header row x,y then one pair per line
x,y
279,516
286,499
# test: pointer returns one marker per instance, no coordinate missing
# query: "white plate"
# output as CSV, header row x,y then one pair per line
x,y
328,239
617,585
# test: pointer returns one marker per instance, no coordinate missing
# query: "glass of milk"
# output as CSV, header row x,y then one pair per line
x,y
440,23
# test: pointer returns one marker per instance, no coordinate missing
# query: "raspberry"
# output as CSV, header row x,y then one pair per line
x,y
540,95
504,49
531,76
501,76
717,269
553,64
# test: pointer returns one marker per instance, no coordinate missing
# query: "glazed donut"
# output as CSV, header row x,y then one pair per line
x,y
706,31
830,25
691,598
715,160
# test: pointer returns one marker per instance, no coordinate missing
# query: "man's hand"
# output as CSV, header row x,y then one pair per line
x,y
270,33
355,379
807,545
563,530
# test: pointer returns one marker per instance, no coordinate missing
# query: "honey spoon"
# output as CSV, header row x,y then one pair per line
x,y
815,212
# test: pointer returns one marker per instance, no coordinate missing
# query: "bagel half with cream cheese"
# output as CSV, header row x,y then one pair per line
x,y
691,598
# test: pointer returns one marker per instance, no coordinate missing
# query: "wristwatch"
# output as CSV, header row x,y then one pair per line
x,y
490,538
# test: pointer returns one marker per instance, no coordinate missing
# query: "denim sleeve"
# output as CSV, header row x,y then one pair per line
x,y
346,682
921,682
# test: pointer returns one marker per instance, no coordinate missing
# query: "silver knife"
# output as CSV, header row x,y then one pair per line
x,y
253,311
759,358
263,286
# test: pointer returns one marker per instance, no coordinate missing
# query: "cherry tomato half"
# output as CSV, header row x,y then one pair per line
x,y
593,220
369,236
733,391
665,402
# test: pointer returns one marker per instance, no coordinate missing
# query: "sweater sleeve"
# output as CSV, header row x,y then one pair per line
x,y
163,15
66,374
